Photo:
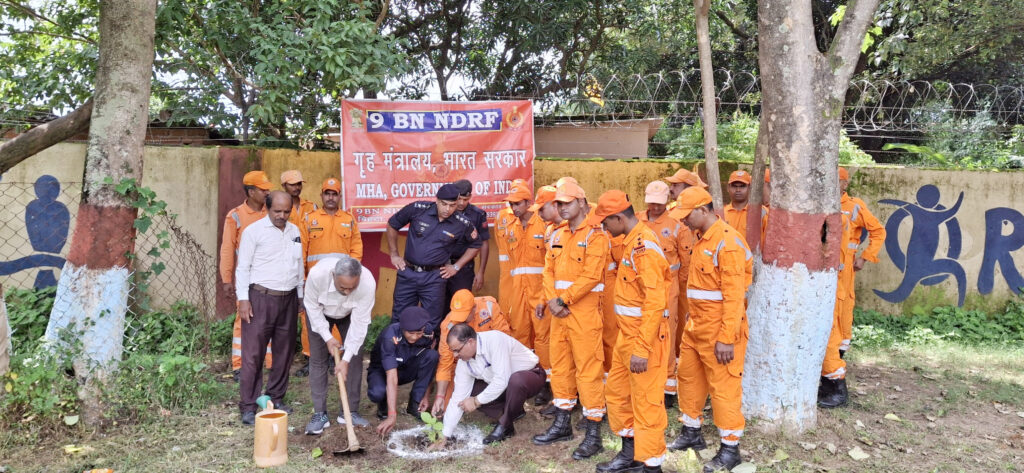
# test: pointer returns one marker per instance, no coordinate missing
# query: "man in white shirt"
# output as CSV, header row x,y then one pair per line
x,y
268,285
339,293
495,374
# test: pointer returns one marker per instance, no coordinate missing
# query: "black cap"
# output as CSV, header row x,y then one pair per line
x,y
448,192
414,319
465,187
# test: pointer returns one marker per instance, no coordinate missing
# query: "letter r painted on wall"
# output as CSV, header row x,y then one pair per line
x,y
999,248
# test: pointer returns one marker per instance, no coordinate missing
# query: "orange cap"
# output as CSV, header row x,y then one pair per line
x,y
569,191
544,195
257,179
656,193
740,176
691,198
292,176
462,304
687,177
331,184
844,175
610,203
519,193
564,179
767,175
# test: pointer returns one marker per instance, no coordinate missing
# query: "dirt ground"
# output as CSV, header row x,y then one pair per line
x,y
914,411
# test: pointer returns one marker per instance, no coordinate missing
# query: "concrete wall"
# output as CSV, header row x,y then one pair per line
x,y
981,243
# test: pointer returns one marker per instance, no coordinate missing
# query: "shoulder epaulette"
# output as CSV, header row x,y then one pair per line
x,y
422,204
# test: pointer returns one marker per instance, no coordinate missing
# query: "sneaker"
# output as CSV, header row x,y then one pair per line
x,y
317,423
249,418
357,420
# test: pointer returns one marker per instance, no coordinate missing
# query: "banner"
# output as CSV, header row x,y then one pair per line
x,y
395,153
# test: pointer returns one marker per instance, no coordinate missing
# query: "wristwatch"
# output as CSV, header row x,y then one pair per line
x,y
560,302
456,266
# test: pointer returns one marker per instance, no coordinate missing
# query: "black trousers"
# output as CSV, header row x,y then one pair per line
x,y
522,385
274,319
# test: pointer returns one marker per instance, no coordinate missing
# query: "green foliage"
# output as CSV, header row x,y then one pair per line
x,y
434,426
28,312
39,385
174,331
975,142
148,381
377,325
737,137
972,327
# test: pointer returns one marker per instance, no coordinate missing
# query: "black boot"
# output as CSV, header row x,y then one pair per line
x,y
560,430
549,411
726,459
842,353
622,462
591,444
670,400
690,437
499,433
822,387
544,396
302,372
836,394
652,469
382,411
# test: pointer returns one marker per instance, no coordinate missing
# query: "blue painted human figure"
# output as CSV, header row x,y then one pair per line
x,y
920,264
46,222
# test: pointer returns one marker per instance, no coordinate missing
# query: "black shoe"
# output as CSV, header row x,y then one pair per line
x,y
652,469
726,459
382,411
249,417
544,396
623,461
302,372
549,411
591,444
823,386
670,400
284,407
690,437
560,430
499,433
413,409
842,354
836,394
236,375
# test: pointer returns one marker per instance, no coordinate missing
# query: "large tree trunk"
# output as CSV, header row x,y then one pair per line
x,y
707,88
44,136
92,294
791,302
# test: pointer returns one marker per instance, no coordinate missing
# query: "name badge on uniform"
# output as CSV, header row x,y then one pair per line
x,y
446,232
400,360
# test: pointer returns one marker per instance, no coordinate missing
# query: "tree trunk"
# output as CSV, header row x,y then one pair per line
x,y
6,349
44,136
92,294
791,301
707,88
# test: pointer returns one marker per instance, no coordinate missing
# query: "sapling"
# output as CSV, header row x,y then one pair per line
x,y
434,426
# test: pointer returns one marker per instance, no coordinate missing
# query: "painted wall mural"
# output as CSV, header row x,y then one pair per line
x,y
47,223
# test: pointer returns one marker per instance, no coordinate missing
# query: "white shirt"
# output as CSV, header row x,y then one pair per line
x,y
323,300
497,357
270,257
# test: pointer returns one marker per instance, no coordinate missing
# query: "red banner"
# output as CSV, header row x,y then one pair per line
x,y
394,153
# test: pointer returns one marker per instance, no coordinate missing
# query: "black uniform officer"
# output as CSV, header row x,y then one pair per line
x,y
467,278
435,230
402,355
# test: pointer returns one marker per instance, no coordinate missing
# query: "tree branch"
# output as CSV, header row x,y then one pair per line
x,y
845,49
736,29
38,16
43,136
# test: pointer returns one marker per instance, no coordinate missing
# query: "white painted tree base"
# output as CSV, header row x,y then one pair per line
x,y
93,302
790,316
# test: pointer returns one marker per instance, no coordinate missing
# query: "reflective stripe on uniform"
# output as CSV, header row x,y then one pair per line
x,y
625,433
502,257
611,266
690,421
238,222
567,284
628,311
528,270
852,246
654,246
312,258
837,374
566,404
594,412
654,461
702,295
674,267
730,437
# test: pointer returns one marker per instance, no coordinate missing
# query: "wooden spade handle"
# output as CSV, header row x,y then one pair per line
x,y
353,442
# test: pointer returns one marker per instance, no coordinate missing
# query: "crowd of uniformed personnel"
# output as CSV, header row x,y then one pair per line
x,y
615,307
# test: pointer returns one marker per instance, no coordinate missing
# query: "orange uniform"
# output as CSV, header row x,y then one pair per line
x,y
236,220
684,245
526,251
670,234
833,367
635,402
720,273
305,207
861,219
610,331
737,218
489,316
326,236
504,221
574,271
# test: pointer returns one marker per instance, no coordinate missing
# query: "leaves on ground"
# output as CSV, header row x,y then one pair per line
x,y
745,467
317,452
892,417
780,455
70,420
857,454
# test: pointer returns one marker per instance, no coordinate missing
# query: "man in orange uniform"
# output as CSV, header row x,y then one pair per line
x,y
861,219
545,208
675,239
503,221
573,283
635,383
715,337
679,182
832,390
481,313
736,211
256,186
291,183
610,332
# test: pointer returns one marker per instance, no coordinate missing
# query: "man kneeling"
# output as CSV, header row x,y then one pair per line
x,y
495,374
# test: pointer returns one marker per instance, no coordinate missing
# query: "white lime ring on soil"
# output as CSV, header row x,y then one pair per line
x,y
402,443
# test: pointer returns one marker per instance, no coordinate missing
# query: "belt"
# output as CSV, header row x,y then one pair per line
x,y
270,292
422,269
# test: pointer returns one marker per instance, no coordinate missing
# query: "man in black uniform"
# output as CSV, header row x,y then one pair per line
x,y
469,276
402,355
435,232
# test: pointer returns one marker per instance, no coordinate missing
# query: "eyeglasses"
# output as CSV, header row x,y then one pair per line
x,y
456,351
